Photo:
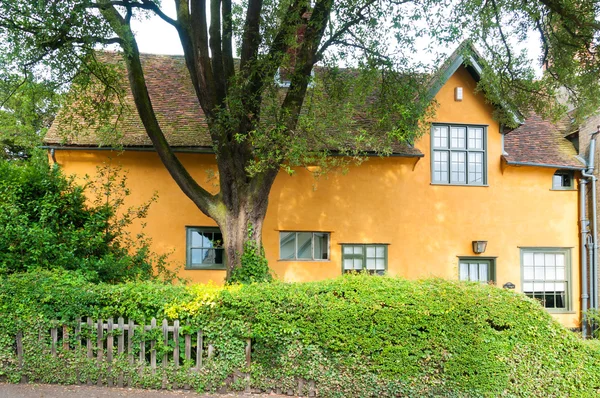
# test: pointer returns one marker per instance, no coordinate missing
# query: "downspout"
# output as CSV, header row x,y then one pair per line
x,y
583,223
593,242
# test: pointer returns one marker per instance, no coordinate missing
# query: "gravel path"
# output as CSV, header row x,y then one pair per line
x,y
58,391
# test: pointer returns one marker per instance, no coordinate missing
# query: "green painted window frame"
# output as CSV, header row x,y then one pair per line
x,y
189,246
567,280
491,268
296,257
562,173
363,256
466,150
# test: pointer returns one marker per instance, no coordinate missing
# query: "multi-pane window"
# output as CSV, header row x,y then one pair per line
x,y
546,276
304,245
458,154
372,258
562,179
476,270
204,247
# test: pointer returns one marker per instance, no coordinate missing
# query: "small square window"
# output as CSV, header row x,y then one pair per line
x,y
204,249
372,258
563,179
477,269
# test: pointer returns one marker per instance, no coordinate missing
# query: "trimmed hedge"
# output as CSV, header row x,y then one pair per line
x,y
356,335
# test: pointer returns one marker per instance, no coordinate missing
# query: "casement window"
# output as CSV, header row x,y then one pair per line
x,y
563,180
458,154
547,276
204,248
476,269
372,258
312,246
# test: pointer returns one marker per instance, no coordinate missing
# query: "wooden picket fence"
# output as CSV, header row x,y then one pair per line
x,y
103,346
102,341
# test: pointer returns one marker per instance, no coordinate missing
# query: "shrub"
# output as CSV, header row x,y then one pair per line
x,y
46,223
357,335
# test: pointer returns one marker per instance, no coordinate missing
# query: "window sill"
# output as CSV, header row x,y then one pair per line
x,y
207,268
304,260
458,185
559,312
564,189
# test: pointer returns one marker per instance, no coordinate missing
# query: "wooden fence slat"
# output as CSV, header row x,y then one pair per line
x,y
120,346
165,361
176,342
100,348
130,332
90,353
65,336
54,337
77,344
142,350
109,349
188,354
211,350
20,354
153,348
199,349
248,352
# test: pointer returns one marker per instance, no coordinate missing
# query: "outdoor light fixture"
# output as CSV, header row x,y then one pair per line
x,y
479,246
509,285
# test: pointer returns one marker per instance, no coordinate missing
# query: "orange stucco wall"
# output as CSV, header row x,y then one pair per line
x,y
384,200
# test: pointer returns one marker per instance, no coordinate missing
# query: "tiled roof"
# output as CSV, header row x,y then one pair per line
x,y
175,105
538,142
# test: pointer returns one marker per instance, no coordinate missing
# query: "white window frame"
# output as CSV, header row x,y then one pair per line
x,y
445,147
566,279
491,269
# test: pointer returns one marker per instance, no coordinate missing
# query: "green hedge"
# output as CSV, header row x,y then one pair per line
x,y
356,335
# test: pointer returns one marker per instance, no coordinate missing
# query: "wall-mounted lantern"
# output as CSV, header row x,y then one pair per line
x,y
479,246
509,285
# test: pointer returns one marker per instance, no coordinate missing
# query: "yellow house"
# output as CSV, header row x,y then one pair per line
x,y
468,201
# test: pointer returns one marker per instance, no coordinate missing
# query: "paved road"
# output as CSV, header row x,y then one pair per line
x,y
56,391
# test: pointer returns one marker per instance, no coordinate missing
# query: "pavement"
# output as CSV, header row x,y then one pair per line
x,y
60,391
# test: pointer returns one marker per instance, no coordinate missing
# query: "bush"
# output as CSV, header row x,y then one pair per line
x,y
46,223
357,335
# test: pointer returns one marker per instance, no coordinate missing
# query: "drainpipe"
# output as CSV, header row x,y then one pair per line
x,y
593,242
583,223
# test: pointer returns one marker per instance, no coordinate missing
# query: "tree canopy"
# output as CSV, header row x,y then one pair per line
x,y
344,61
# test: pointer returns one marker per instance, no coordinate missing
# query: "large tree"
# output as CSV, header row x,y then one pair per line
x,y
236,51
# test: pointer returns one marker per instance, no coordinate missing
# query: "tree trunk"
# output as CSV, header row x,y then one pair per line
x,y
244,206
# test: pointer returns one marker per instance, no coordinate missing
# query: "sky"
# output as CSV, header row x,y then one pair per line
x,y
155,36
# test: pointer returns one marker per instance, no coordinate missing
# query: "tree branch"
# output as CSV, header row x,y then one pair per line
x,y
216,51
202,198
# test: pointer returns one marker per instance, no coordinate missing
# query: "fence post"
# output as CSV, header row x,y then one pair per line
x,y
199,349
65,337
248,362
54,337
20,354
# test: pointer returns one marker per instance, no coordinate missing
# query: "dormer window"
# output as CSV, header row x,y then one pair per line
x,y
563,180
